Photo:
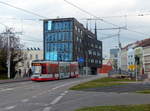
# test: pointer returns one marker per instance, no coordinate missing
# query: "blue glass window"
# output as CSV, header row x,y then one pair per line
x,y
57,50
49,25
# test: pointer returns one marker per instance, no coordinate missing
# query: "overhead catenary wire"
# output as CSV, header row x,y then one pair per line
x,y
29,40
119,16
4,25
24,34
43,17
25,19
24,10
96,17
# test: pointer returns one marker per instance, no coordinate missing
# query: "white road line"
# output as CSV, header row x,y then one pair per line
x,y
47,109
124,93
56,100
34,96
62,94
66,92
25,100
8,89
64,85
10,107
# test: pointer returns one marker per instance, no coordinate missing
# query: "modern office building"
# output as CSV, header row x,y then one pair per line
x,y
65,39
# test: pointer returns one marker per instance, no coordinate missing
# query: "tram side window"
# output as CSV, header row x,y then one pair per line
x,y
49,69
68,68
44,69
61,69
74,68
53,69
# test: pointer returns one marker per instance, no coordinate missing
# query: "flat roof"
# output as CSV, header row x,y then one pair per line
x,y
59,19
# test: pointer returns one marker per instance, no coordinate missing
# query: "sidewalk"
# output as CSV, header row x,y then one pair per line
x,y
14,80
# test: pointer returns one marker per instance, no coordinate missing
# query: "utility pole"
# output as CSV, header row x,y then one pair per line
x,y
8,34
8,52
86,65
136,67
119,45
136,72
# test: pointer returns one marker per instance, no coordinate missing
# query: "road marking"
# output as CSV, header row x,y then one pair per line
x,y
10,107
8,89
124,93
34,96
56,100
47,109
25,100
62,94
66,92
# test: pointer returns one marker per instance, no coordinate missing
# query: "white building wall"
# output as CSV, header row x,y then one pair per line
x,y
29,56
146,60
124,60
130,57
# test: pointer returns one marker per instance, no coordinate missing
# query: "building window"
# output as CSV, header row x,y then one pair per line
x,y
76,28
80,40
92,60
99,62
49,25
100,47
96,61
96,46
81,33
94,52
77,38
90,52
36,57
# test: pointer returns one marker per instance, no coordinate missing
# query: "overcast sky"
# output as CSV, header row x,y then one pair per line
x,y
59,8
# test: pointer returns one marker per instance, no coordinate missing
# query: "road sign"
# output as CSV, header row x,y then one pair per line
x,y
132,67
81,60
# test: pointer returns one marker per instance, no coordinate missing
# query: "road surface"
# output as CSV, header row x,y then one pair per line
x,y
55,96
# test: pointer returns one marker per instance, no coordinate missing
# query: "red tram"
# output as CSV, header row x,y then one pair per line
x,y
49,70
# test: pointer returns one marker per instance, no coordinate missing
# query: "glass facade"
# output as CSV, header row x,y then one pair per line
x,y
58,40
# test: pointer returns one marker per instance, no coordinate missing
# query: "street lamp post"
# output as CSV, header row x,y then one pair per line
x,y
8,52
86,65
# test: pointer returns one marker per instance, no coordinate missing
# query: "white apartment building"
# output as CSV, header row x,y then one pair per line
x,y
146,60
30,54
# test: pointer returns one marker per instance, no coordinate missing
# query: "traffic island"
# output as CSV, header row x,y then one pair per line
x,y
143,107
102,82
143,92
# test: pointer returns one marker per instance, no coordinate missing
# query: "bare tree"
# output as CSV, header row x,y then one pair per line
x,y
3,57
15,51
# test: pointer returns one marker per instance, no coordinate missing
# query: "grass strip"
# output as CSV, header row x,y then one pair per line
x,y
144,91
102,82
143,107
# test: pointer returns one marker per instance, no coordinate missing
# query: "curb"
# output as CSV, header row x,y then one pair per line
x,y
13,81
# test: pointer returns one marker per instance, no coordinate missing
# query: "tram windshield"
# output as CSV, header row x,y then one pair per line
x,y
36,69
